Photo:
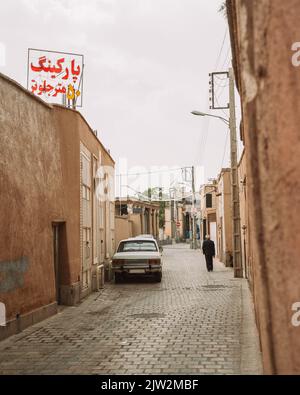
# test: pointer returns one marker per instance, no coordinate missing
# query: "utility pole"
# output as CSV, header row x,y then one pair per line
x,y
235,197
175,216
193,222
161,218
120,194
172,201
237,256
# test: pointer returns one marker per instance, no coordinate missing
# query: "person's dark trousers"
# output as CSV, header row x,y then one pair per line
x,y
209,263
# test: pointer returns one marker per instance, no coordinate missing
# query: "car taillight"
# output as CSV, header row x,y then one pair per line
x,y
117,261
154,261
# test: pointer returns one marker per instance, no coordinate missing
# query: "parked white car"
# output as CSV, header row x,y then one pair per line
x,y
137,255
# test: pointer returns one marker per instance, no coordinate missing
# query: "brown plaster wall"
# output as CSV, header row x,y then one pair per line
x,y
39,186
264,32
123,229
136,224
69,130
30,199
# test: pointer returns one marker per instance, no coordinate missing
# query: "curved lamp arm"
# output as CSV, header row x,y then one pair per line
x,y
203,114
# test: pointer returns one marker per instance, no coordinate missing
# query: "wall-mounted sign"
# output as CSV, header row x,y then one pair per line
x,y
55,76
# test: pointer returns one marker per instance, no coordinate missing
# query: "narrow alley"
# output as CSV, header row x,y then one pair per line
x,y
135,137
193,322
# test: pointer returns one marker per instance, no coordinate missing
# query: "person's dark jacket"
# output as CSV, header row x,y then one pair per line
x,y
208,248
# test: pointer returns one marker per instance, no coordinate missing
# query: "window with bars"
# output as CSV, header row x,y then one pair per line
x,y
86,238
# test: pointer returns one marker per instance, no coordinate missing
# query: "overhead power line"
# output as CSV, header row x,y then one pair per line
x,y
225,148
222,46
226,58
153,172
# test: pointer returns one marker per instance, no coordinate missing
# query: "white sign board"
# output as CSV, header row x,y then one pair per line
x,y
55,76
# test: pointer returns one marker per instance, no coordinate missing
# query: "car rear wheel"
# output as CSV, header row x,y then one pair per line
x,y
158,277
118,277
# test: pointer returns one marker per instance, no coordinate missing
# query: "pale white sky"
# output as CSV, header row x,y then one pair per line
x,y
146,68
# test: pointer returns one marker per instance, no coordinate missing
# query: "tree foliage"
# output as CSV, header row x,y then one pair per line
x,y
223,9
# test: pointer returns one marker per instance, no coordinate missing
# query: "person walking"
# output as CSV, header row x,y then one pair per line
x,y
208,248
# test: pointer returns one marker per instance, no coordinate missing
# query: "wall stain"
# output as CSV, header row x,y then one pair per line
x,y
12,274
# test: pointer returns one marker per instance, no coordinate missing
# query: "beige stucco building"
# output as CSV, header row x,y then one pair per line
x,y
134,217
208,208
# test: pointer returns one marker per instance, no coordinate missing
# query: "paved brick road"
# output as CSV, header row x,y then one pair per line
x,y
193,322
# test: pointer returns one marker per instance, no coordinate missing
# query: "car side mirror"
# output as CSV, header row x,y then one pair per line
x,y
160,249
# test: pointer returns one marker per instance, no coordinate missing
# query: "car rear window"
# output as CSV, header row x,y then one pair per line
x,y
131,246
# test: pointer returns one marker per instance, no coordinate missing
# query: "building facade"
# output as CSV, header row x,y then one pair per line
x,y
267,71
135,217
56,212
208,212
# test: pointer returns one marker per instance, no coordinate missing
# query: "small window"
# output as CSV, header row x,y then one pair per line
x,y
208,200
124,210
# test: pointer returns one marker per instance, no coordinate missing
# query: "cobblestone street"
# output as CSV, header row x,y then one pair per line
x,y
193,322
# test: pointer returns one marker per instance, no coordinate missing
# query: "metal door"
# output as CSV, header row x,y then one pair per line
x,y
56,261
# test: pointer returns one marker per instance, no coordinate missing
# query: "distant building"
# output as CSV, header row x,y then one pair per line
x,y
134,217
208,225
174,224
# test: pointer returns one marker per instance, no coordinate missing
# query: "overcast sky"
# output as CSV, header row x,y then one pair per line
x,y
146,68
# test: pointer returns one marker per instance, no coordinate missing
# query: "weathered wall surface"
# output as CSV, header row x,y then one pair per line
x,y
247,251
68,126
30,181
168,223
263,33
75,130
136,224
40,186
